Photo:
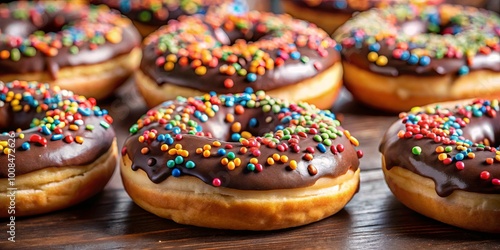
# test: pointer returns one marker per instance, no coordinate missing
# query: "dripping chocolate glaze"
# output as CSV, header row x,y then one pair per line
x,y
291,72
398,152
55,153
52,64
277,176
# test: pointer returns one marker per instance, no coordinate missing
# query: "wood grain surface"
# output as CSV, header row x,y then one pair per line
x,y
373,219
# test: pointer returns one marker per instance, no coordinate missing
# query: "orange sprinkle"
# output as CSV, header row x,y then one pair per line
x,y
276,157
442,156
284,158
164,147
229,117
231,165
207,147
239,109
236,127
216,143
293,164
224,161
206,153
79,139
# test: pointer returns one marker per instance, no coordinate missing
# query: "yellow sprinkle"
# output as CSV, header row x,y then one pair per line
x,y
354,141
237,162
4,143
216,143
224,161
439,149
73,127
442,156
381,61
164,147
199,150
207,147
185,153
293,164
372,56
178,146
168,66
270,161
284,158
172,151
171,58
497,157
246,134
230,165
21,136
79,139
206,153
254,160
276,157
6,151
202,70
1,148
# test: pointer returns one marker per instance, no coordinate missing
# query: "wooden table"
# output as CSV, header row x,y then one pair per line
x,y
373,218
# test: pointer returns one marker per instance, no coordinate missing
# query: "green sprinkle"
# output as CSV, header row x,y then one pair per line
x,y
231,155
179,160
190,164
105,124
416,150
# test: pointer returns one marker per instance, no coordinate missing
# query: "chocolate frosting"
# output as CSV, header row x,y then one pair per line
x,y
291,72
56,153
278,175
76,21
465,50
447,177
348,7
160,12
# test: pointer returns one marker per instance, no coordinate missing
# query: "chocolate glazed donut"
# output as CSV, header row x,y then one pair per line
x,y
401,56
451,156
57,148
288,58
89,50
213,161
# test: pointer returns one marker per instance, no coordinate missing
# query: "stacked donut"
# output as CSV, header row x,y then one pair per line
x,y
89,50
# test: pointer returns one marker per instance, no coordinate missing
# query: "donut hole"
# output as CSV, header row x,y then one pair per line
x,y
487,134
419,27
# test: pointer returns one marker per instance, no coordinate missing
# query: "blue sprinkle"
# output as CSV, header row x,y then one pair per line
x,y
176,130
424,60
279,127
286,119
97,113
253,122
251,77
405,55
56,137
464,70
46,130
25,146
160,137
84,111
374,47
459,157
295,55
203,118
338,47
199,128
341,4
235,137
169,141
215,108
249,90
221,152
169,126
413,59
321,147
197,114
176,172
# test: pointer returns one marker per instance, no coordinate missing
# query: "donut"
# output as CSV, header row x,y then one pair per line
x,y
287,58
401,57
88,50
56,148
149,15
443,161
244,161
331,14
